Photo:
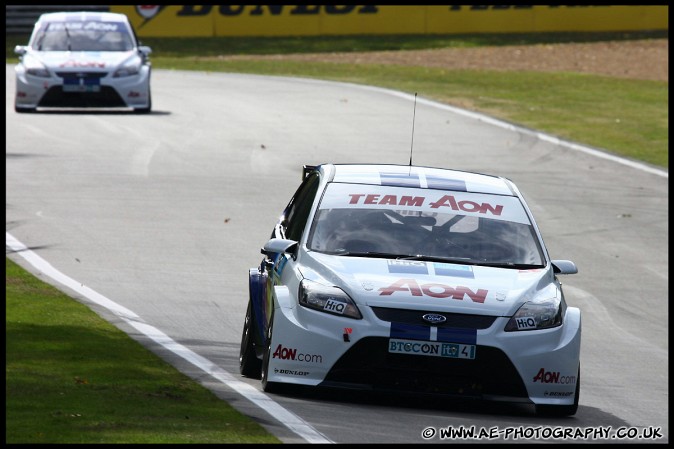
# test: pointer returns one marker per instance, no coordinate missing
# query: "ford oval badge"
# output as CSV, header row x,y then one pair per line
x,y
434,318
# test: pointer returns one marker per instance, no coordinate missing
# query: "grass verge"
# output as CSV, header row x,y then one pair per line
x,y
72,377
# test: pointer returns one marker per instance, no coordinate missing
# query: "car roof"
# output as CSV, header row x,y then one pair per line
x,y
83,16
421,177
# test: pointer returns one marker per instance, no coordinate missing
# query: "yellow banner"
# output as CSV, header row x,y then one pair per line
x,y
314,20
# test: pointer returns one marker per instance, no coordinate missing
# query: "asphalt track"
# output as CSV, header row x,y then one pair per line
x,y
153,220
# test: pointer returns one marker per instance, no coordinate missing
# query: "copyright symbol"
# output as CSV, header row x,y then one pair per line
x,y
428,433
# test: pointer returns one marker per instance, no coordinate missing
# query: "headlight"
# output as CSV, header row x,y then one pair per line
x,y
35,67
327,299
131,67
538,315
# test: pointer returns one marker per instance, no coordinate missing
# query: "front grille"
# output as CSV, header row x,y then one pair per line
x,y
369,364
453,319
106,97
85,75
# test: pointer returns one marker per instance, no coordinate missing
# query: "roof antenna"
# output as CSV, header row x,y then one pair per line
x,y
413,119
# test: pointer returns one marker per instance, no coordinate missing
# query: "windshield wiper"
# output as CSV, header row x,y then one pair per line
x,y
372,254
65,28
457,260
513,265
420,257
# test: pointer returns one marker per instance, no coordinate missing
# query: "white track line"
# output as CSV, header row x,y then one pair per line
x,y
278,412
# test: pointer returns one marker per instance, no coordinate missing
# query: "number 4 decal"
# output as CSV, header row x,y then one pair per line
x,y
467,352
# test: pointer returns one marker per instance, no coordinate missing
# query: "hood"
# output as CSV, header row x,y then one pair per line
x,y
77,61
433,286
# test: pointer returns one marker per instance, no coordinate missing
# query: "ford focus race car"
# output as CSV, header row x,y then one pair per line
x,y
412,279
80,60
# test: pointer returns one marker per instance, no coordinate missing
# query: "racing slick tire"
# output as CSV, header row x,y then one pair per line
x,y
146,110
21,110
268,387
561,410
249,364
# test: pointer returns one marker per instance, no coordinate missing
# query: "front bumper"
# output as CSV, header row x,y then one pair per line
x,y
131,91
313,348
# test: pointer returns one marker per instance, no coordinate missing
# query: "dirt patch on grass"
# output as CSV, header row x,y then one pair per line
x,y
646,59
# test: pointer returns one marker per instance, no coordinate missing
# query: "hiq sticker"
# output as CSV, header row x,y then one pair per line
x,y
334,306
526,322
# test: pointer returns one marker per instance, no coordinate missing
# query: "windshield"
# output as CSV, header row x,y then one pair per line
x,y
83,36
386,221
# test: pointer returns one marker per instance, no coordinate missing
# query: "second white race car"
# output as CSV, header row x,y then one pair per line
x,y
83,60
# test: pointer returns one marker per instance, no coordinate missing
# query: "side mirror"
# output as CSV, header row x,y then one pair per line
x,y
564,267
145,50
275,246
20,50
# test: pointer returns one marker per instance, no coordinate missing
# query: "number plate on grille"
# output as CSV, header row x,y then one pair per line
x,y
74,84
431,348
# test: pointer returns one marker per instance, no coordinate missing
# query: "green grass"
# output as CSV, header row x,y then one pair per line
x,y
623,116
172,47
72,377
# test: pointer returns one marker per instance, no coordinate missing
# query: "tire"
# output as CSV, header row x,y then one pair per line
x,y
249,364
561,410
21,110
146,110
268,387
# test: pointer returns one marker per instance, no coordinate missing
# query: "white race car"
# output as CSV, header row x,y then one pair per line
x,y
83,60
412,279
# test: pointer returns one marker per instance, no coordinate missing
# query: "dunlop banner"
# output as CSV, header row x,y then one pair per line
x,y
315,20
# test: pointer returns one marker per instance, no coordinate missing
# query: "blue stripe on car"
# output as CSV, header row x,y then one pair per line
x,y
400,180
407,266
434,182
444,334
410,332
457,335
444,269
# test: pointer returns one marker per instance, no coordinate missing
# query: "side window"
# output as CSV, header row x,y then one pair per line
x,y
297,212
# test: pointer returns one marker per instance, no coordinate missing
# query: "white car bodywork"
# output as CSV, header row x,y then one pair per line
x,y
397,316
83,60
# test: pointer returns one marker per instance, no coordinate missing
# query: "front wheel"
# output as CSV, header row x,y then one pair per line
x,y
22,110
269,387
147,109
249,364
